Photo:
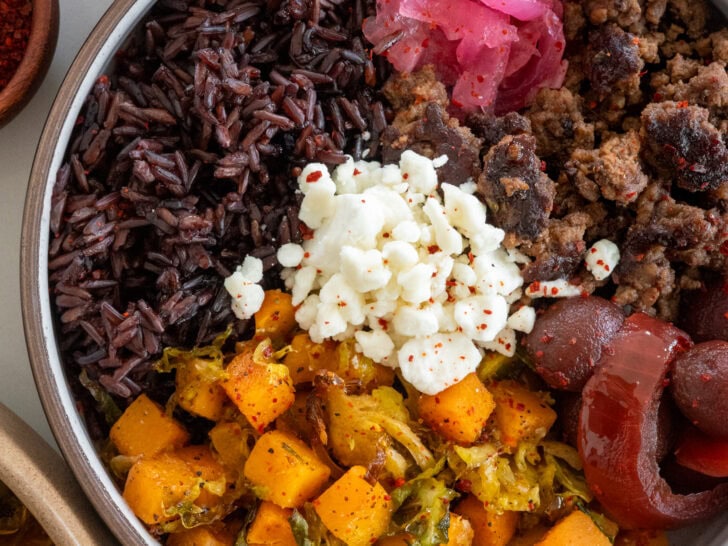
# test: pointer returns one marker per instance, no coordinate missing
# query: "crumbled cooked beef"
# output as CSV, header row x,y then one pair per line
x,y
614,171
409,94
612,56
432,136
693,15
708,88
517,191
559,249
491,128
643,276
679,142
422,124
558,124
624,12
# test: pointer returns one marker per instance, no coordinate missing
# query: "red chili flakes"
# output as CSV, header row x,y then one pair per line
x,y
724,248
405,176
356,172
315,176
433,248
15,19
682,104
306,232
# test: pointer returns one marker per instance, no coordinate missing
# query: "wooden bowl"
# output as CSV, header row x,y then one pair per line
x,y
38,55
37,475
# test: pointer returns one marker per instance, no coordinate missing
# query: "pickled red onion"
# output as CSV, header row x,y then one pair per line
x,y
495,54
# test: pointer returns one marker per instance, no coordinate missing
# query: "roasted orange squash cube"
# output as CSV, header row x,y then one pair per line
x,y
199,392
520,414
284,470
145,429
203,463
276,318
204,535
261,392
306,357
576,529
156,484
459,412
354,510
271,526
460,532
489,528
230,441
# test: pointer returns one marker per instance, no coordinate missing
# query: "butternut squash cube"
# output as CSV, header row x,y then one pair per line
x,y
204,535
306,357
489,528
205,466
261,392
276,318
353,510
230,442
284,470
460,532
520,414
145,429
459,412
576,529
271,526
155,484
199,392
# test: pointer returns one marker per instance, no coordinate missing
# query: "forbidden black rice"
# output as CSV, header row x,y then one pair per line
x,y
183,161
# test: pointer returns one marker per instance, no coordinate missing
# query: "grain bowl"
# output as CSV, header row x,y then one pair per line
x,y
355,246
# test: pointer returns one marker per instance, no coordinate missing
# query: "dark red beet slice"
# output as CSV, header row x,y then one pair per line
x,y
567,340
700,386
618,431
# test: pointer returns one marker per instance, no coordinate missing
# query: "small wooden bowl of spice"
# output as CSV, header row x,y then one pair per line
x,y
28,36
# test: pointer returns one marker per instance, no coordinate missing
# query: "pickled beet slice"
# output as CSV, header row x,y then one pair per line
x,y
618,431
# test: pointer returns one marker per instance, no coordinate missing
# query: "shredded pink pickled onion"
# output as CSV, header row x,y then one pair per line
x,y
495,54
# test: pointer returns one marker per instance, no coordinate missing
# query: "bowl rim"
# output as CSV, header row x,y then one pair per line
x,y
65,422
36,59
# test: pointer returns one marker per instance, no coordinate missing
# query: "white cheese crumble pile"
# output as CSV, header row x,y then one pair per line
x,y
419,280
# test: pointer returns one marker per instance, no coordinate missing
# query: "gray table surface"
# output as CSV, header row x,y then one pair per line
x,y
18,141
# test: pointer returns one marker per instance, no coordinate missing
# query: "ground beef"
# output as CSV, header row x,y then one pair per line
x,y
612,59
679,142
422,124
643,276
614,171
434,135
633,137
693,15
409,95
558,124
559,249
516,190
491,128
707,88
624,12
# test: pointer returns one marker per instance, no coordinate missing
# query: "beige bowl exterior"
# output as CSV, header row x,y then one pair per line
x,y
38,476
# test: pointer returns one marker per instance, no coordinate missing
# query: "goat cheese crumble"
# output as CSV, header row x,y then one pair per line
x,y
406,266
244,288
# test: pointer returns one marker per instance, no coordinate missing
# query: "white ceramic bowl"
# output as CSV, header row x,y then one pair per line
x,y
65,422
